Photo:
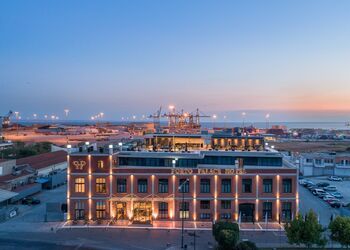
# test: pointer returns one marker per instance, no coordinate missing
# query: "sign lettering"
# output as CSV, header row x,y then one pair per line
x,y
209,171
79,165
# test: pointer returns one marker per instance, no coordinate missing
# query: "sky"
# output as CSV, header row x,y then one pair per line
x,y
287,58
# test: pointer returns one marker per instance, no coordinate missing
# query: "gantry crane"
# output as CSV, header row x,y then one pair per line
x,y
5,122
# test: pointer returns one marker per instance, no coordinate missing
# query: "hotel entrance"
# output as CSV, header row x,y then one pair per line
x,y
120,211
246,211
142,212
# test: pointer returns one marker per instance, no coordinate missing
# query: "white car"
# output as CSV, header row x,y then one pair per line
x,y
330,188
335,178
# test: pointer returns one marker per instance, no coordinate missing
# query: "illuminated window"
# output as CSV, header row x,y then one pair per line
x,y
163,186
267,185
79,211
121,185
101,185
184,210
226,185
100,164
79,185
101,210
287,185
267,210
246,185
205,186
142,185
163,210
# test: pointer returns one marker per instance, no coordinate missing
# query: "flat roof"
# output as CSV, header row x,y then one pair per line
x,y
6,195
174,135
198,154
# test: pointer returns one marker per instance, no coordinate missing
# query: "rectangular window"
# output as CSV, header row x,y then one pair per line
x,y
246,185
204,216
226,185
205,186
101,210
225,204
225,216
121,185
286,211
163,185
101,185
79,185
287,185
163,210
100,164
205,204
185,188
184,210
142,185
267,185
79,211
267,210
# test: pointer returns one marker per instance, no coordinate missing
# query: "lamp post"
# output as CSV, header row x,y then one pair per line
x,y
182,210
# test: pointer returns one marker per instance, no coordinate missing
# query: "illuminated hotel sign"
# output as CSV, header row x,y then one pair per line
x,y
209,171
79,165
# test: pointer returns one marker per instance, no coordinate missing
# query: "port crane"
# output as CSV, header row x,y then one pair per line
x,y
5,122
156,118
179,122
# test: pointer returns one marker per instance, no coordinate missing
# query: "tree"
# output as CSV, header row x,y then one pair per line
x,y
226,234
307,232
221,225
294,230
227,239
340,230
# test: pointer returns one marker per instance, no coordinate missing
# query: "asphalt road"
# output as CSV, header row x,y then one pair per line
x,y
133,239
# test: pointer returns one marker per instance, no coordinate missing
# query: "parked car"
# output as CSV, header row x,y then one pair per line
x,y
311,186
319,192
328,197
337,195
346,204
30,201
322,184
330,188
335,178
334,203
307,182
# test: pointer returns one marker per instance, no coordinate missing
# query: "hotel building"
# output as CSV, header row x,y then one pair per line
x,y
203,185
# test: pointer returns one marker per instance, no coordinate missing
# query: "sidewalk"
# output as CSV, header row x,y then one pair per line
x,y
172,225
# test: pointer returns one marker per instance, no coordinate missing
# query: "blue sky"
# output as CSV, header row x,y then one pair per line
x,y
288,58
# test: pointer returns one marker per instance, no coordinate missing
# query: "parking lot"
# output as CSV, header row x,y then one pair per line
x,y
323,209
31,217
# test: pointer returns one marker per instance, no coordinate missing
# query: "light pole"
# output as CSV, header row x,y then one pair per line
x,y
243,119
66,111
267,117
182,211
214,118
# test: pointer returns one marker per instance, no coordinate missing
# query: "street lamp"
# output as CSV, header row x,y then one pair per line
x,y
214,118
243,118
182,211
267,117
66,111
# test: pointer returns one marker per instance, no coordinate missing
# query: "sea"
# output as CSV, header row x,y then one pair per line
x,y
289,125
